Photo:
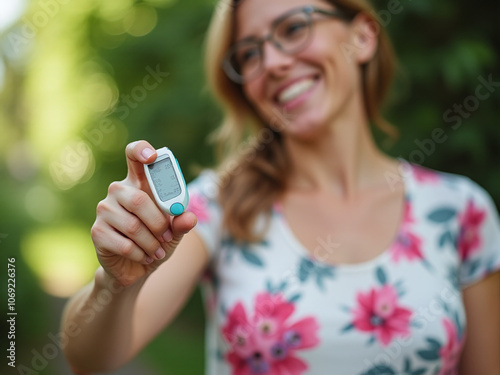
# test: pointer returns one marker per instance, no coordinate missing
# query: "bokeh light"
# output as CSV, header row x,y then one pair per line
x,y
72,165
61,257
22,161
42,204
140,20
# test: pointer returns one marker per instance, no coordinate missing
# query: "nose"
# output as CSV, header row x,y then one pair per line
x,y
275,61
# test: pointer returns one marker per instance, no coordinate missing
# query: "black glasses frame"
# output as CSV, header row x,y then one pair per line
x,y
308,10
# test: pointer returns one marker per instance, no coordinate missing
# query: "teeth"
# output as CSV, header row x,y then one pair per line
x,y
291,92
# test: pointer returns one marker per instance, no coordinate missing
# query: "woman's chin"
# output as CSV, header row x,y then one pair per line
x,y
304,132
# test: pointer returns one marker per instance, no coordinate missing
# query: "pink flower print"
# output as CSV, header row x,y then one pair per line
x,y
238,331
408,214
298,335
425,175
290,365
407,244
450,352
267,342
199,206
273,306
258,365
378,312
469,239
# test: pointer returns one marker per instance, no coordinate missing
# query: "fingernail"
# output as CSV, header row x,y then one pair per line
x,y
167,236
147,152
149,260
160,254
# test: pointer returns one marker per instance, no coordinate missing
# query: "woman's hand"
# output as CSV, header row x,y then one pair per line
x,y
132,236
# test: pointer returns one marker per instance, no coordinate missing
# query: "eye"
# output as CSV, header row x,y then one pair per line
x,y
247,54
294,28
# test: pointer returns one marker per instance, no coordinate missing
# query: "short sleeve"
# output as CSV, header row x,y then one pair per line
x,y
203,192
478,240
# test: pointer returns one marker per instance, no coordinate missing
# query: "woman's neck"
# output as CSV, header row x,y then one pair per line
x,y
343,160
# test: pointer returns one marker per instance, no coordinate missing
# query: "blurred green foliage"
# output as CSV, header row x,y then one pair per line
x,y
76,90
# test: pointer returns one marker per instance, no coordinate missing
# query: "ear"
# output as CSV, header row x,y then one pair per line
x,y
364,37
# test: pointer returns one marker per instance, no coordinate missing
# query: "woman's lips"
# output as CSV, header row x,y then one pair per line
x,y
295,93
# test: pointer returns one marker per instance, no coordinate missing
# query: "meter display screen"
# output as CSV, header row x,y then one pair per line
x,y
164,179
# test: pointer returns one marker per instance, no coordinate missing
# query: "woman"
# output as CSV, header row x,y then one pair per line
x,y
321,254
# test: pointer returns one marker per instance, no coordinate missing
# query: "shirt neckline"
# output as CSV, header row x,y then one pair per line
x,y
407,179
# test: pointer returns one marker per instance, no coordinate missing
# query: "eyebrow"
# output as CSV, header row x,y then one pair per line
x,y
250,38
273,25
339,13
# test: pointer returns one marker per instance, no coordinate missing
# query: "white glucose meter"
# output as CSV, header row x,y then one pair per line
x,y
167,182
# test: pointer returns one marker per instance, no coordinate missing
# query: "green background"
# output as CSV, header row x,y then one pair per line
x,y
74,95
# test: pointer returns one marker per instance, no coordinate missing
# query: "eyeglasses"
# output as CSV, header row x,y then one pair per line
x,y
290,33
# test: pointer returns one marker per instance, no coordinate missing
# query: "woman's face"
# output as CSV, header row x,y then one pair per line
x,y
304,93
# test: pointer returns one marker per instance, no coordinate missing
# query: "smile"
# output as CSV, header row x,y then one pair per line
x,y
295,91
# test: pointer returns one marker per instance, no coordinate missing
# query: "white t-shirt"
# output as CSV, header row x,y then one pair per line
x,y
275,308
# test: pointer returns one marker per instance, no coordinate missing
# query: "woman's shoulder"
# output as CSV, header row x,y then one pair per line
x,y
206,183
203,202
453,185
203,192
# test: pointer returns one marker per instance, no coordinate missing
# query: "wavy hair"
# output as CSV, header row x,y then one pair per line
x,y
253,163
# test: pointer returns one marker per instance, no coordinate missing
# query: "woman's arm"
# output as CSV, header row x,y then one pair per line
x,y
481,354
97,322
146,273
107,324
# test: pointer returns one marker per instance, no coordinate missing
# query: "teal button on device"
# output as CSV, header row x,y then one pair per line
x,y
177,208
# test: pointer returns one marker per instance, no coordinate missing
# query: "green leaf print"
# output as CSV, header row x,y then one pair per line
x,y
442,215
250,257
408,369
308,268
435,345
445,238
347,328
429,355
305,269
380,370
294,298
381,276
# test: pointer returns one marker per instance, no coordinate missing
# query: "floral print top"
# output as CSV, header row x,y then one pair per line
x,y
275,309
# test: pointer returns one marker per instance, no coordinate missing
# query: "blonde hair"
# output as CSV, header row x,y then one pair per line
x,y
254,164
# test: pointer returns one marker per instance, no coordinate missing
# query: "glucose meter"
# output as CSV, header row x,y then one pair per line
x,y
167,182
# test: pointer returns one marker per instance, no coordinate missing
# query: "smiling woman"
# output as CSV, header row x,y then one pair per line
x,y
365,54
318,253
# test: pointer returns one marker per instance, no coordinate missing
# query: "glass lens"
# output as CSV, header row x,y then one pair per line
x,y
289,35
293,32
246,58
